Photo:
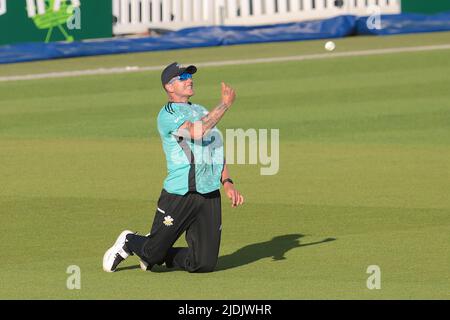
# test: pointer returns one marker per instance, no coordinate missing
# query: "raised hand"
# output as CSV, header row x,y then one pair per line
x,y
228,95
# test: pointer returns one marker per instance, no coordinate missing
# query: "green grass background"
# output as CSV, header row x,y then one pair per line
x,y
364,159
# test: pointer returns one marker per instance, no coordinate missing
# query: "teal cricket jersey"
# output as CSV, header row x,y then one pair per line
x,y
192,165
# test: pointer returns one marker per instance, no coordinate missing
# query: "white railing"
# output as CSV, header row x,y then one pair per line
x,y
135,16
140,15
2,7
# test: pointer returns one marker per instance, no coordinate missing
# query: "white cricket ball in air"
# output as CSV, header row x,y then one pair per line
x,y
330,45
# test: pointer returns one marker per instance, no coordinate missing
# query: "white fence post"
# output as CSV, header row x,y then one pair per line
x,y
124,11
145,7
155,11
231,9
177,10
320,5
270,7
209,11
116,9
245,8
135,12
2,7
307,6
296,5
257,8
197,10
167,11
282,6
187,10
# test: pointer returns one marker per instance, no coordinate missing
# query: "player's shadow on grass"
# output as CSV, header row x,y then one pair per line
x,y
275,248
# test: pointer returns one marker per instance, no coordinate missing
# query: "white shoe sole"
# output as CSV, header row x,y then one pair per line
x,y
108,257
144,265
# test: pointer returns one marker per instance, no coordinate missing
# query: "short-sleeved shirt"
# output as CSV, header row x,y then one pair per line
x,y
192,165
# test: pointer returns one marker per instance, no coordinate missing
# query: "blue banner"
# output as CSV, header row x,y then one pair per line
x,y
186,38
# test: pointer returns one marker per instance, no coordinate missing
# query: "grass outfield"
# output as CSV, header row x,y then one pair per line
x,y
364,160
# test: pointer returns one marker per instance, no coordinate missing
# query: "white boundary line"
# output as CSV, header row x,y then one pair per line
x,y
316,56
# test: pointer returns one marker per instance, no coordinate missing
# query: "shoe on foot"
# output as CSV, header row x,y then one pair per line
x,y
117,253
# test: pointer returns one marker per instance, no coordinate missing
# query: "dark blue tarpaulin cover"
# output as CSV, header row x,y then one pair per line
x,y
186,38
336,27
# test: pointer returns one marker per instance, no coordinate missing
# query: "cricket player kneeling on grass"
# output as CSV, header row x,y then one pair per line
x,y
190,199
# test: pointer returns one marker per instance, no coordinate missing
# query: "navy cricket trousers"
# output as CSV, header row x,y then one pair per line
x,y
199,215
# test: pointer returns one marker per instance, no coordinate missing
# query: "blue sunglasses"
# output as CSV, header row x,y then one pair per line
x,y
182,77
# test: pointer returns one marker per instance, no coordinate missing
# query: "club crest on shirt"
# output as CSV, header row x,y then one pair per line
x,y
168,221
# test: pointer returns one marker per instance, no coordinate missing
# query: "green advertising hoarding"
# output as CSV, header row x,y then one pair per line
x,y
425,6
54,20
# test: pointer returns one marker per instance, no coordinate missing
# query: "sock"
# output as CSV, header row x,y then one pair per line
x,y
135,244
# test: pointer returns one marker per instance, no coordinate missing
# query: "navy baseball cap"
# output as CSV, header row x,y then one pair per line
x,y
175,69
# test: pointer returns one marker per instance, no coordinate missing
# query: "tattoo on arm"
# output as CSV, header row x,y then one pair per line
x,y
212,118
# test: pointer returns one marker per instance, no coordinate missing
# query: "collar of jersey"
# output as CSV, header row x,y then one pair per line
x,y
189,103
